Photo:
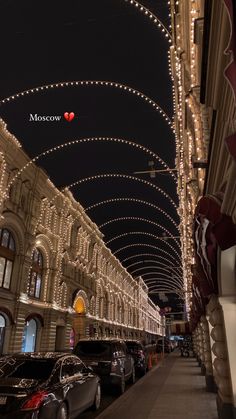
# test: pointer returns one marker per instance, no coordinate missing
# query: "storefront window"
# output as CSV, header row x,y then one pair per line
x,y
29,336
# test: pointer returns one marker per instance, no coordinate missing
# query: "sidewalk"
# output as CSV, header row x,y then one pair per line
x,y
172,390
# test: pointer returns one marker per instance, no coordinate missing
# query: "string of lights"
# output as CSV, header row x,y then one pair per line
x,y
139,201
94,83
92,140
120,175
154,19
142,233
146,245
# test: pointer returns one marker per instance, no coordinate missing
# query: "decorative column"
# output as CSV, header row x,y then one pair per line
x,y
210,382
221,369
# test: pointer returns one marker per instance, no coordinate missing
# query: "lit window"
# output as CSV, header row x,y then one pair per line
x,y
7,254
36,274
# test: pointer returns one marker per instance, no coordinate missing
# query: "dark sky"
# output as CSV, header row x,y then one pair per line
x,y
49,42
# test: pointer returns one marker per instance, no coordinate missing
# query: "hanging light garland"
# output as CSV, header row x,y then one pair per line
x,y
159,267
146,245
154,19
92,140
157,261
94,83
120,175
143,233
139,201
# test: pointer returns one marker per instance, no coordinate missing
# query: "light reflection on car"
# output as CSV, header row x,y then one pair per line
x,y
46,385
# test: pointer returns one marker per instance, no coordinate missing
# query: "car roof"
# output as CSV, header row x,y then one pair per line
x,y
101,340
38,355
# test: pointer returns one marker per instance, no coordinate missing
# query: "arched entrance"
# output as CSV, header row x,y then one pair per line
x,y
29,336
80,320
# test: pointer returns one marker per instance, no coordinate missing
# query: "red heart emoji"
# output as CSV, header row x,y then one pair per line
x,y
69,116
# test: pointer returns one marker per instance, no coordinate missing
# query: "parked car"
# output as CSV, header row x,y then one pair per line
x,y
46,385
109,359
137,350
167,345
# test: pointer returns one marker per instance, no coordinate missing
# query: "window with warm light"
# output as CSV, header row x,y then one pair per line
x,y
79,306
36,274
7,255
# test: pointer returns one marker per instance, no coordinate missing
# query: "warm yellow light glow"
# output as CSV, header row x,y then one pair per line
x,y
79,306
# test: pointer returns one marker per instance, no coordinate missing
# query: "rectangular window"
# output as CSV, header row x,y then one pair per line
x,y
38,285
32,283
7,278
2,267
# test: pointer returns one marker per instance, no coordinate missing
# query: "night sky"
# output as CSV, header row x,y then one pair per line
x,y
111,40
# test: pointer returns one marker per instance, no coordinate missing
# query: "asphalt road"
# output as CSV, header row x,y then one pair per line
x,y
108,397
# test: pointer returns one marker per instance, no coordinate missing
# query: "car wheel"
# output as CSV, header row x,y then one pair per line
x,y
63,412
121,387
132,378
97,399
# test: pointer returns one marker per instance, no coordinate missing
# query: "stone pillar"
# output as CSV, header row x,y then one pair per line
x,y
201,348
210,382
48,333
222,328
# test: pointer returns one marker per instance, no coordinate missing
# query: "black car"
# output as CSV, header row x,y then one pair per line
x,y
109,359
46,386
167,346
136,349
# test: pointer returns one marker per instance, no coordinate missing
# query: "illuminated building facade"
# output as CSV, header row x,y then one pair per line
x,y
204,73
59,282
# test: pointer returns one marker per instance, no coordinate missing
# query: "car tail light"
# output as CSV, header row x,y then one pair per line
x,y
35,401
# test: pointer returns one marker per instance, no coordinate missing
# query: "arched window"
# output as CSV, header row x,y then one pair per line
x,y
7,254
29,336
36,274
2,332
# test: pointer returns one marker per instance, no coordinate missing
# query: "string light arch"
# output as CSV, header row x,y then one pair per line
x,y
165,269
143,233
168,288
93,140
165,282
154,19
143,254
145,220
96,83
151,261
135,200
166,277
120,175
144,245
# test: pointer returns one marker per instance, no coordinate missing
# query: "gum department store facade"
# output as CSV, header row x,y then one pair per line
x,y
59,282
203,60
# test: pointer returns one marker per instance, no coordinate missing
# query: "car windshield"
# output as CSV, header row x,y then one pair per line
x,y
97,348
38,369
133,346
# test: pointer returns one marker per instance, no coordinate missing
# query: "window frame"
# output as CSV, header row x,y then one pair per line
x,y
36,273
8,255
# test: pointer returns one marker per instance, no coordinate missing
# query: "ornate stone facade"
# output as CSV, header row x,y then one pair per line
x,y
59,281
203,60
